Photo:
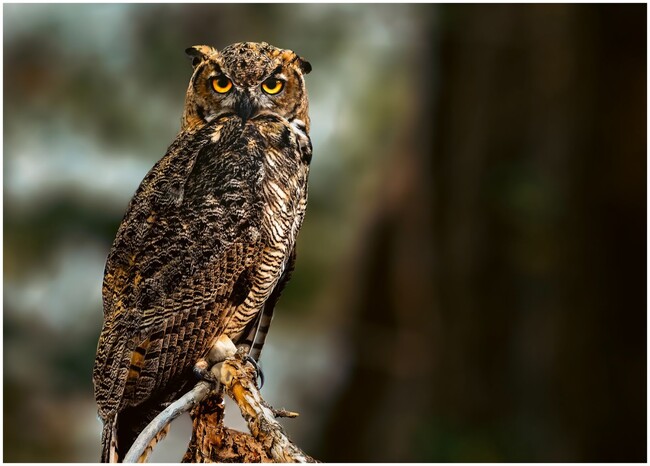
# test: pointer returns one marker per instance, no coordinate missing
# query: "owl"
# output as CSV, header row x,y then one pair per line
x,y
208,240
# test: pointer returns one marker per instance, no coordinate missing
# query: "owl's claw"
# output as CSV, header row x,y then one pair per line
x,y
202,372
258,369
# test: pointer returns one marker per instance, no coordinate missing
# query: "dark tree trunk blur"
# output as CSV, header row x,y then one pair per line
x,y
502,285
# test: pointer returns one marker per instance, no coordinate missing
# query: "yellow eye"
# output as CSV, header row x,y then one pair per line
x,y
272,86
221,84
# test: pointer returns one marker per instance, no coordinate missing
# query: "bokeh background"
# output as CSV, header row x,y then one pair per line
x,y
471,276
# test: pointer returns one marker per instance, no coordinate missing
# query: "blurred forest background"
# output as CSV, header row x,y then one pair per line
x,y
471,275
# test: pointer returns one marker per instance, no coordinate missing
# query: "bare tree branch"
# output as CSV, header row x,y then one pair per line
x,y
238,379
211,440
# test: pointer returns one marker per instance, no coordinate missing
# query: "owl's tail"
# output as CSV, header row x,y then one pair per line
x,y
121,431
109,441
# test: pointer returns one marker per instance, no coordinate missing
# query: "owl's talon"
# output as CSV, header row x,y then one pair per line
x,y
258,370
202,372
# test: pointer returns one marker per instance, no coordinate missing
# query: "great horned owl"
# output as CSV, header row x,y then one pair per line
x,y
208,240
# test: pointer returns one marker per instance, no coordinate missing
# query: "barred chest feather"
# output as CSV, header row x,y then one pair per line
x,y
282,195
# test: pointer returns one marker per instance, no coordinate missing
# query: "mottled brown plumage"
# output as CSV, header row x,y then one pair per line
x,y
207,242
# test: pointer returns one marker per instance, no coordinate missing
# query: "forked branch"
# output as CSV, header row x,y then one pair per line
x,y
211,441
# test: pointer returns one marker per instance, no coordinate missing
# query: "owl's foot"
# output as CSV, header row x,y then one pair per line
x,y
223,348
258,370
202,371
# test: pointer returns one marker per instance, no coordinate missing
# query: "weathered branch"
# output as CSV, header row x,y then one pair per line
x,y
211,440
238,379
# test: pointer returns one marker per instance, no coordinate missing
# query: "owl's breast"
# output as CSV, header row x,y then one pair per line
x,y
282,196
283,192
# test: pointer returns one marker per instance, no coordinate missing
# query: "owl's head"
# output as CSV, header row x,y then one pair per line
x,y
245,79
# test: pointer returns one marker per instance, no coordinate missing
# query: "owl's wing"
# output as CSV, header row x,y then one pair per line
x,y
148,363
140,352
171,279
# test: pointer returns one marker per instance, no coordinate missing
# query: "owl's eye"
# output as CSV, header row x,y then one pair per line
x,y
272,86
221,84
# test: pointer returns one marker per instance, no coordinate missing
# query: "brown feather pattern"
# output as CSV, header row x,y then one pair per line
x,y
205,239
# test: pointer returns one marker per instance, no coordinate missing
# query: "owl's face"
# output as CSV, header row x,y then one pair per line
x,y
246,79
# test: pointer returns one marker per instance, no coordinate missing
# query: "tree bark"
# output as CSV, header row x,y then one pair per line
x,y
213,442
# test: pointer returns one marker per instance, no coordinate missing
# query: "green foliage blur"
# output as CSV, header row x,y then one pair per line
x,y
471,272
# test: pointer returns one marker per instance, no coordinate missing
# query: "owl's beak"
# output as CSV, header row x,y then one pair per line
x,y
244,107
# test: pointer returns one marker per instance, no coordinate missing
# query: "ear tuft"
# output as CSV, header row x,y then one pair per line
x,y
305,66
292,58
199,53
